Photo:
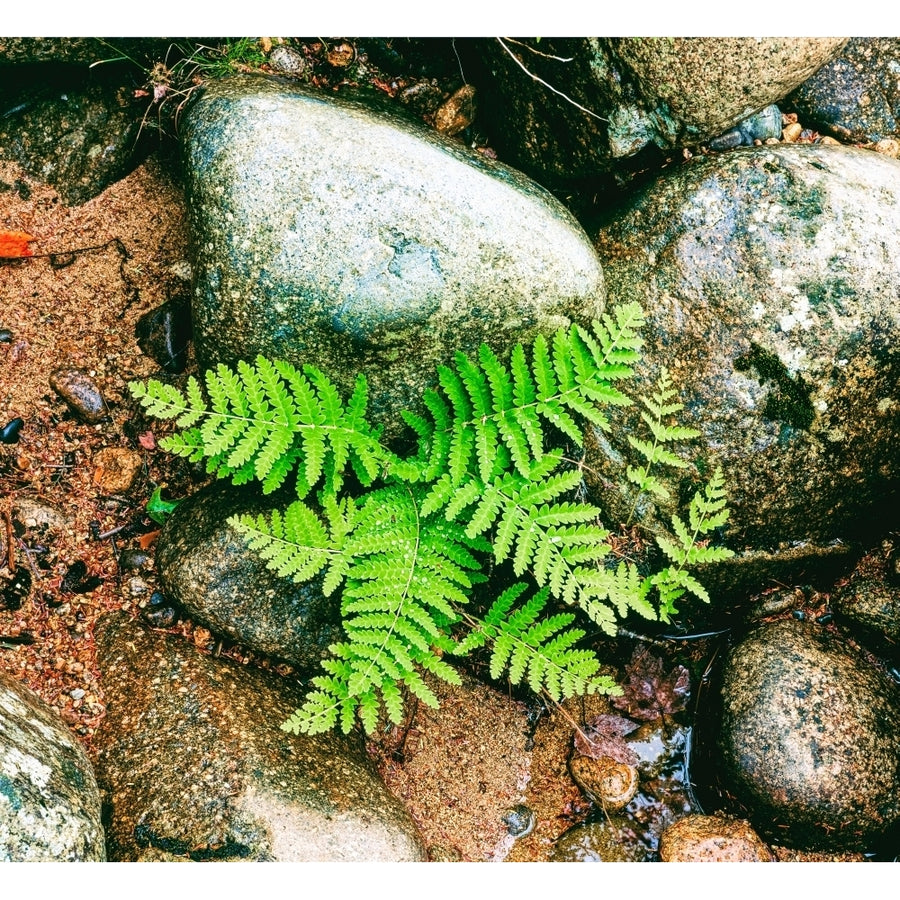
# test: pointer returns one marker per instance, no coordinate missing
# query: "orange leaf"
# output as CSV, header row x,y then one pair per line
x,y
14,244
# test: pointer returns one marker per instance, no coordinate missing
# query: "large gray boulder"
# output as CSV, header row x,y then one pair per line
x,y
624,94
193,765
770,278
49,800
204,564
808,739
334,234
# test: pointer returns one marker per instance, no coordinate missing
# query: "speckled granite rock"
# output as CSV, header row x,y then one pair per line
x,y
193,765
856,96
808,741
712,839
769,276
205,566
49,801
334,234
873,608
663,92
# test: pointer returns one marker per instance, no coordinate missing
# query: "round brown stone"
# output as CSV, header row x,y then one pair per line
x,y
712,839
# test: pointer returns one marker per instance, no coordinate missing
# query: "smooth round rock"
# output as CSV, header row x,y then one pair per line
x,y
608,782
598,842
205,566
49,799
330,233
193,765
808,742
80,393
712,839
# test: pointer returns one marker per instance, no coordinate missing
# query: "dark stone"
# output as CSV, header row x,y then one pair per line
x,y
204,564
873,608
80,393
855,97
165,332
78,132
9,433
193,765
808,742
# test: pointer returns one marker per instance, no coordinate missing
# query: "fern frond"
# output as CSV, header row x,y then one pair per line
x,y
538,650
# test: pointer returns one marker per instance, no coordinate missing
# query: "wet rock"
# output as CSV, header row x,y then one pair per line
x,y
327,232
116,469
78,132
519,820
165,332
662,92
9,433
712,839
609,783
134,559
873,607
80,393
49,800
193,765
457,112
759,127
205,566
808,744
768,277
611,840
856,96
159,613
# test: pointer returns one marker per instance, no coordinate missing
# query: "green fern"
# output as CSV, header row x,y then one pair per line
x,y
660,407
407,550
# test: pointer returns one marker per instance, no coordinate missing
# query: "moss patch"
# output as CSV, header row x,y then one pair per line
x,y
789,401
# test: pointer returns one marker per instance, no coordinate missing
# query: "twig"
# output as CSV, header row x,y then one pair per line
x,y
550,87
538,52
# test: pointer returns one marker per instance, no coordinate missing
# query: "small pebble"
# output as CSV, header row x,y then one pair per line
x,y
889,147
792,132
287,60
519,820
137,587
158,613
164,334
9,433
80,394
134,559
6,336
116,469
457,112
77,694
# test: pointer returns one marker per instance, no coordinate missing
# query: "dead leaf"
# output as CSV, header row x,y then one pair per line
x,y
649,691
147,440
14,244
147,540
604,736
